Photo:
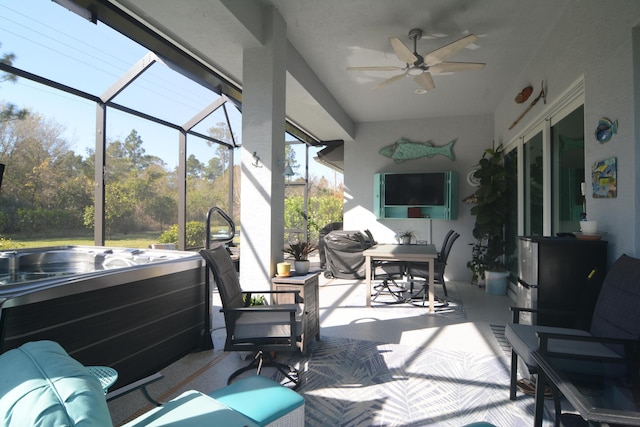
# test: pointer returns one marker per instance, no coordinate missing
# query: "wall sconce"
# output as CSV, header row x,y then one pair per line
x,y
288,171
256,160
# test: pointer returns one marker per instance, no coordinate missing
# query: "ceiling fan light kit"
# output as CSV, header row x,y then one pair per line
x,y
421,67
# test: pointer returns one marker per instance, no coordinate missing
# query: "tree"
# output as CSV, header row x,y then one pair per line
x,y
45,187
208,180
40,161
10,111
164,209
195,167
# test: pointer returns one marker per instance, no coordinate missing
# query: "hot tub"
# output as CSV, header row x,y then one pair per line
x,y
135,310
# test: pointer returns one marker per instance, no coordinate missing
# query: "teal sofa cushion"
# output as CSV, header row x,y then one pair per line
x,y
40,385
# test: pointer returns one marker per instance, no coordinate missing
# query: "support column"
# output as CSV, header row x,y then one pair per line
x,y
263,129
99,220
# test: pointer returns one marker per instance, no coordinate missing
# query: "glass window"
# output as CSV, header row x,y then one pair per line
x,y
567,172
533,186
313,201
511,224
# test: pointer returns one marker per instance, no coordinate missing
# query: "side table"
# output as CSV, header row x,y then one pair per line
x,y
105,374
307,284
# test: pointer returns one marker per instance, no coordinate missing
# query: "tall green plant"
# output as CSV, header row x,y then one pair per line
x,y
490,212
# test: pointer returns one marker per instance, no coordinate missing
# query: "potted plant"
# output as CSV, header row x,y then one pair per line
x,y
477,265
300,252
490,210
405,237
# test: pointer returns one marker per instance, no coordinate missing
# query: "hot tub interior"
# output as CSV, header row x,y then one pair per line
x,y
36,264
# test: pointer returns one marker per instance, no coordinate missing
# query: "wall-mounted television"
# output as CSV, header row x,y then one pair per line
x,y
414,189
415,195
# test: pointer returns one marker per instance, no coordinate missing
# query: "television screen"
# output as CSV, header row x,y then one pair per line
x,y
414,189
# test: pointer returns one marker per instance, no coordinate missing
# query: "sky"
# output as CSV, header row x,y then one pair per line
x,y
52,42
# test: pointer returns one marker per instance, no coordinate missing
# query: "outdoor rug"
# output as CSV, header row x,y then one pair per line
x,y
347,382
498,333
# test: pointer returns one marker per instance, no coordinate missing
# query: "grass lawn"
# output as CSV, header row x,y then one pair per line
x,y
137,240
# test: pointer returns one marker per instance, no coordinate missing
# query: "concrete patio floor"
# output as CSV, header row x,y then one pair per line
x,y
342,314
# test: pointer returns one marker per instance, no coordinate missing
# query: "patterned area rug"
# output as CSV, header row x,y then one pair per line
x,y
498,333
349,382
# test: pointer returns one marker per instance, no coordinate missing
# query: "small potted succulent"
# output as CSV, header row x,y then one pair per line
x,y
300,252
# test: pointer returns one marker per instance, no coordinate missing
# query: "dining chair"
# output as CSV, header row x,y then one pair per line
x,y
421,269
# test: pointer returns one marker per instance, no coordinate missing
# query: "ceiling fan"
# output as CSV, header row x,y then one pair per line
x,y
421,67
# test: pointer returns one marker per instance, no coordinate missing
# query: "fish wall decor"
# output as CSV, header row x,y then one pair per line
x,y
403,150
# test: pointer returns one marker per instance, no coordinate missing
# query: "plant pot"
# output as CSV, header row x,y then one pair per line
x,y
283,268
302,267
405,240
496,282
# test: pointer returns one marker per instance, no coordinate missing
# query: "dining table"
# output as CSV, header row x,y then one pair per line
x,y
401,252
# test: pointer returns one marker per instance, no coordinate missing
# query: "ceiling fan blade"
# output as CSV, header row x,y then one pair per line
x,y
425,80
445,52
450,67
381,68
390,80
403,53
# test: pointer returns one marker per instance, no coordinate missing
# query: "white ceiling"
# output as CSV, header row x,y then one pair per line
x,y
332,35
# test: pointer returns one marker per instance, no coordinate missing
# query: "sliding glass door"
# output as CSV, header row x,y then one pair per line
x,y
547,158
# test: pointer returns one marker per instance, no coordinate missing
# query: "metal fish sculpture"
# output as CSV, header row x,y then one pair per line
x,y
403,150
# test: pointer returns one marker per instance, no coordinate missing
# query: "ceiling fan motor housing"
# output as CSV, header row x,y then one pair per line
x,y
415,34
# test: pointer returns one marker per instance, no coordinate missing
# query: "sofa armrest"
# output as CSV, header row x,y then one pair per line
x,y
517,310
262,308
40,384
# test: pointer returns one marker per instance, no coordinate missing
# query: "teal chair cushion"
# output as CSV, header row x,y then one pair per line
x,y
40,385
259,398
190,409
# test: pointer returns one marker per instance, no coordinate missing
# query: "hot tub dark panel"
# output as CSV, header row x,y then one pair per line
x,y
136,320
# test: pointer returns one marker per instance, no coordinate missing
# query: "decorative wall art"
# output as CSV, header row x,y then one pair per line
x,y
523,96
604,178
606,129
403,150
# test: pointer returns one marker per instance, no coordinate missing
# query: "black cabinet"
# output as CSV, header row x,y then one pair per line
x,y
560,274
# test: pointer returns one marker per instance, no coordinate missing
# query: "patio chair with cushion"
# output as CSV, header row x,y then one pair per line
x,y
616,321
265,329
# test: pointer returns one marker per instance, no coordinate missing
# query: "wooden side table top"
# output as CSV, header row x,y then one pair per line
x,y
296,279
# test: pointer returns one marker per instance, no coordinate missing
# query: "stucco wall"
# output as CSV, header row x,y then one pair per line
x,y
473,134
594,40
